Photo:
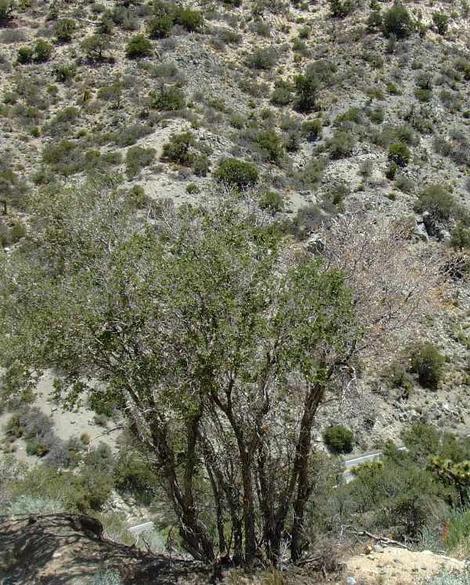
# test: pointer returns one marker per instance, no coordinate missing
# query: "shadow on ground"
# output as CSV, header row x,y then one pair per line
x,y
67,549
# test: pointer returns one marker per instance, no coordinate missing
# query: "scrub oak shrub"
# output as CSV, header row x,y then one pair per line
x,y
25,55
427,363
271,201
282,93
200,165
138,46
262,59
341,8
460,237
191,20
441,22
397,21
42,51
6,9
307,85
312,129
179,149
270,145
64,29
438,201
341,144
399,154
338,439
237,173
95,47
169,98
137,158
160,27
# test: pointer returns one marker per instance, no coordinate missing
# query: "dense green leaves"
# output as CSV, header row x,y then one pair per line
x,y
202,328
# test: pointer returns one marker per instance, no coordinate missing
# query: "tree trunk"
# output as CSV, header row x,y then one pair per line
x,y
304,447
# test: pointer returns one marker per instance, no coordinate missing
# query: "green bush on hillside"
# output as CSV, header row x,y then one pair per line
x,y
338,439
428,363
397,21
399,154
64,29
438,201
6,9
179,149
237,173
138,46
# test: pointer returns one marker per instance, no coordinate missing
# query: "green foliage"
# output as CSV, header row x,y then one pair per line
x,y
312,129
338,439
64,29
341,144
460,236
179,149
169,98
270,144
271,201
341,8
175,304
397,21
6,9
399,377
438,201
95,46
133,475
190,19
42,51
25,55
396,494
262,59
137,158
457,538
64,72
307,85
399,154
427,362
138,47
237,173
160,27
374,20
441,22
282,93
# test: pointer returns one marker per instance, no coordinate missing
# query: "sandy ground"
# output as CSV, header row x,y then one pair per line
x,y
397,566
66,423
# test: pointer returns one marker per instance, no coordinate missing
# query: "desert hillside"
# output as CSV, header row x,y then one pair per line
x,y
234,285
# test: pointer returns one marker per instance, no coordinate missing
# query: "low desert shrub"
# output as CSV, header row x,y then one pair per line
x,y
338,439
179,149
438,201
262,59
270,145
427,363
137,158
271,201
399,154
341,144
312,129
169,98
441,22
397,21
64,29
237,173
138,46
191,20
